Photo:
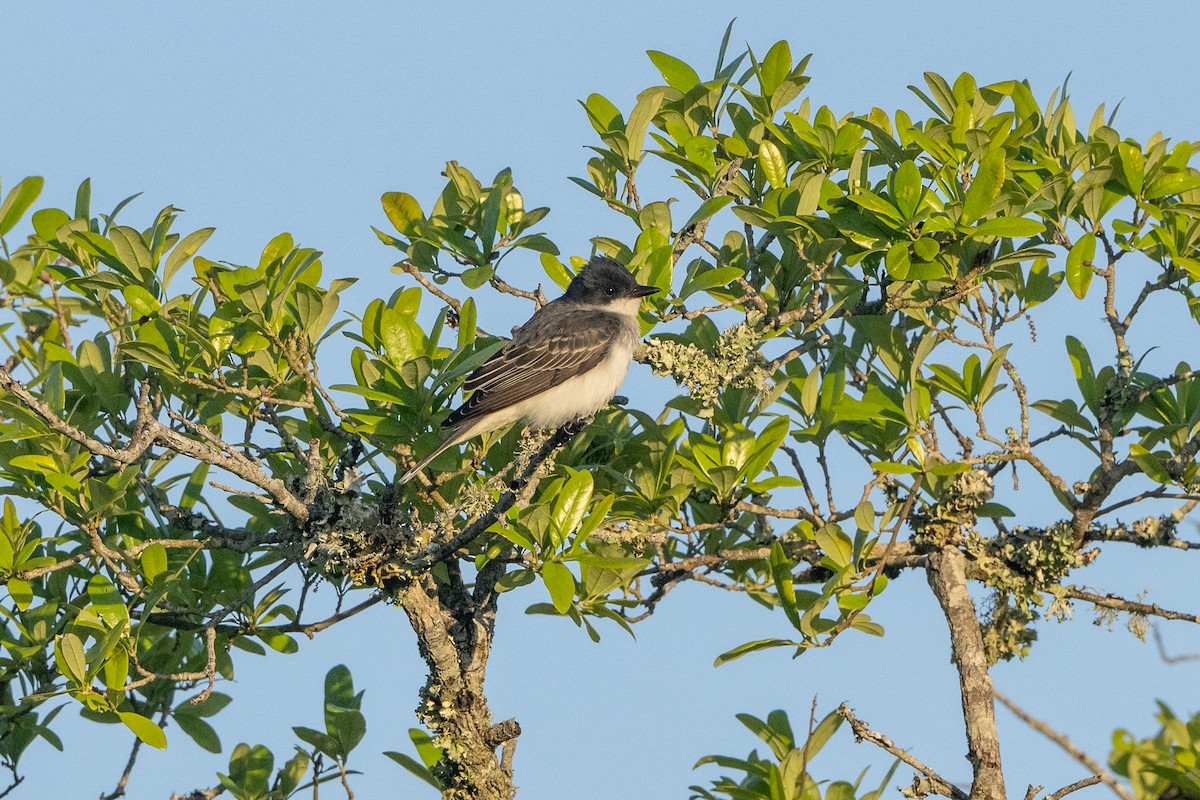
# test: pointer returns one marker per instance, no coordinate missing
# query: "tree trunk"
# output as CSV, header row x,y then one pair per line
x,y
454,632
948,580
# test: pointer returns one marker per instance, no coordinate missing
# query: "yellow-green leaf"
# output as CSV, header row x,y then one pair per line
x,y
561,585
18,202
906,188
1079,264
1133,166
71,658
144,729
773,165
154,561
402,211
572,504
21,592
678,74
985,188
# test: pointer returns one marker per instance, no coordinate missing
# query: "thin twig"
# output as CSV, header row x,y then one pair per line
x,y
862,731
1162,650
1062,741
1091,780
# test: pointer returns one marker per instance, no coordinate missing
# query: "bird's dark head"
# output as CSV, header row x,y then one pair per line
x,y
604,282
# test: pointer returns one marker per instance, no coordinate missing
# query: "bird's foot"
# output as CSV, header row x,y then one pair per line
x,y
576,425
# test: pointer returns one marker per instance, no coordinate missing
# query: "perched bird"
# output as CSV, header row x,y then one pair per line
x,y
565,363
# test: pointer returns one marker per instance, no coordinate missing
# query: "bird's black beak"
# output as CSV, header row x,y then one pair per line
x,y
645,291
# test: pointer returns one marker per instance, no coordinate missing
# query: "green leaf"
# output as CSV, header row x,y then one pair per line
x,y
779,741
200,731
475,277
785,590
835,544
881,206
47,221
603,115
810,393
1065,411
1133,166
141,302
1167,183
154,560
1150,464
864,516
491,217
822,733
185,249
321,741
906,188
561,585
709,207
556,270
985,188
71,660
403,211
656,216
107,600
764,448
751,647
1010,227
926,248
18,201
572,503
21,591
776,66
429,752
615,563
678,74
413,766
647,106
144,729
250,768
83,201
339,689
863,623
290,775
898,260
771,160
131,249
1079,264
709,279
594,518
347,727
279,641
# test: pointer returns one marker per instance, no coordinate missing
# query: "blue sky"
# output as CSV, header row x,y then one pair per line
x,y
265,117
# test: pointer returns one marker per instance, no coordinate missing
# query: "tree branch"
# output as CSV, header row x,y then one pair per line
x,y
947,578
1121,604
938,784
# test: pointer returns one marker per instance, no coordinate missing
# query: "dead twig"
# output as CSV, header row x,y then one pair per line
x,y
862,731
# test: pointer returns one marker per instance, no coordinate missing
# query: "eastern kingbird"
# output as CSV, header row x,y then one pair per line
x,y
565,363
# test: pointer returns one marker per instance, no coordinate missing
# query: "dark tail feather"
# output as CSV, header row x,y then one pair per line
x,y
457,434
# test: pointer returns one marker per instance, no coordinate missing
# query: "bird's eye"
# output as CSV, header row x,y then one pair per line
x,y
610,290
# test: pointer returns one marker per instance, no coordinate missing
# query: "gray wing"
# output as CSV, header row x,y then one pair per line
x,y
554,346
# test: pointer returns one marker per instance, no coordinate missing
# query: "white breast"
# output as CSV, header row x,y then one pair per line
x,y
582,395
